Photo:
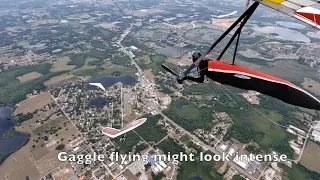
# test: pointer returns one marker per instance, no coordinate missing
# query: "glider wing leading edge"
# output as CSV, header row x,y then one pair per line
x,y
99,85
113,133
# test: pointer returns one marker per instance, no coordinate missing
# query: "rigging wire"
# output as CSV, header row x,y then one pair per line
x,y
237,96
131,22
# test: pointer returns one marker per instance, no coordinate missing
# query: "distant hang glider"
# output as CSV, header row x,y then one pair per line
x,y
299,9
227,15
99,85
113,133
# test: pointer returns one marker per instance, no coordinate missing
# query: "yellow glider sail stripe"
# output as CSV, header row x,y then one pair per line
x,y
274,1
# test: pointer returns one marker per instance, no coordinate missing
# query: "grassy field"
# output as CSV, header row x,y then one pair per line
x,y
12,91
150,131
272,132
188,112
57,79
294,173
149,74
144,60
169,145
61,64
200,89
190,116
86,65
251,125
29,76
311,157
205,170
38,156
107,69
34,103
130,141
155,65
311,85
290,70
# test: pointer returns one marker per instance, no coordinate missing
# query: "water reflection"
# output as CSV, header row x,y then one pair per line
x,y
283,33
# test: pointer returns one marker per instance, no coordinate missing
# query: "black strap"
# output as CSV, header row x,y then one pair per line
x,y
237,33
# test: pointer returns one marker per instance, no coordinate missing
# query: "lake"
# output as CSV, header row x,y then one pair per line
x,y
283,33
291,25
169,19
34,46
13,143
108,81
180,104
174,52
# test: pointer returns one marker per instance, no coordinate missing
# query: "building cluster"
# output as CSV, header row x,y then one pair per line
x,y
217,132
232,150
146,94
251,97
158,166
310,54
315,134
297,144
273,172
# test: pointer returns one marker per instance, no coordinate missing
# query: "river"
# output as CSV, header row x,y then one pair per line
x,y
108,81
13,143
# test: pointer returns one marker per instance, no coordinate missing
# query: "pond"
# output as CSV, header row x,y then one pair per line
x,y
13,143
180,104
173,52
108,81
99,102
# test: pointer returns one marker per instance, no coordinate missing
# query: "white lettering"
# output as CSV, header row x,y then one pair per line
x,y
207,157
62,156
283,157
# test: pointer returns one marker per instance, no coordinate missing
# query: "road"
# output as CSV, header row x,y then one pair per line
x,y
205,146
145,80
304,145
67,116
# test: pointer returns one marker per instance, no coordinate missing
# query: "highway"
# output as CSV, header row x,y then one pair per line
x,y
205,146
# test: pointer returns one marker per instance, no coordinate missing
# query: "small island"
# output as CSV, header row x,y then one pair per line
x,y
10,132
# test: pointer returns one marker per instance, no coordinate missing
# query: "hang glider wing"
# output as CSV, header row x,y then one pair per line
x,y
249,79
113,133
299,9
99,85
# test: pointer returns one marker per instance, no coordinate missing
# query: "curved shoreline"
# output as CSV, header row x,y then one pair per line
x,y
8,154
5,155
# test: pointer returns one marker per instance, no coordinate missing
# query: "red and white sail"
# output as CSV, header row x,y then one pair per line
x,y
112,132
299,9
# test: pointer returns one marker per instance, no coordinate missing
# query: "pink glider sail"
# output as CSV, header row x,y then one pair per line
x,y
112,132
299,9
